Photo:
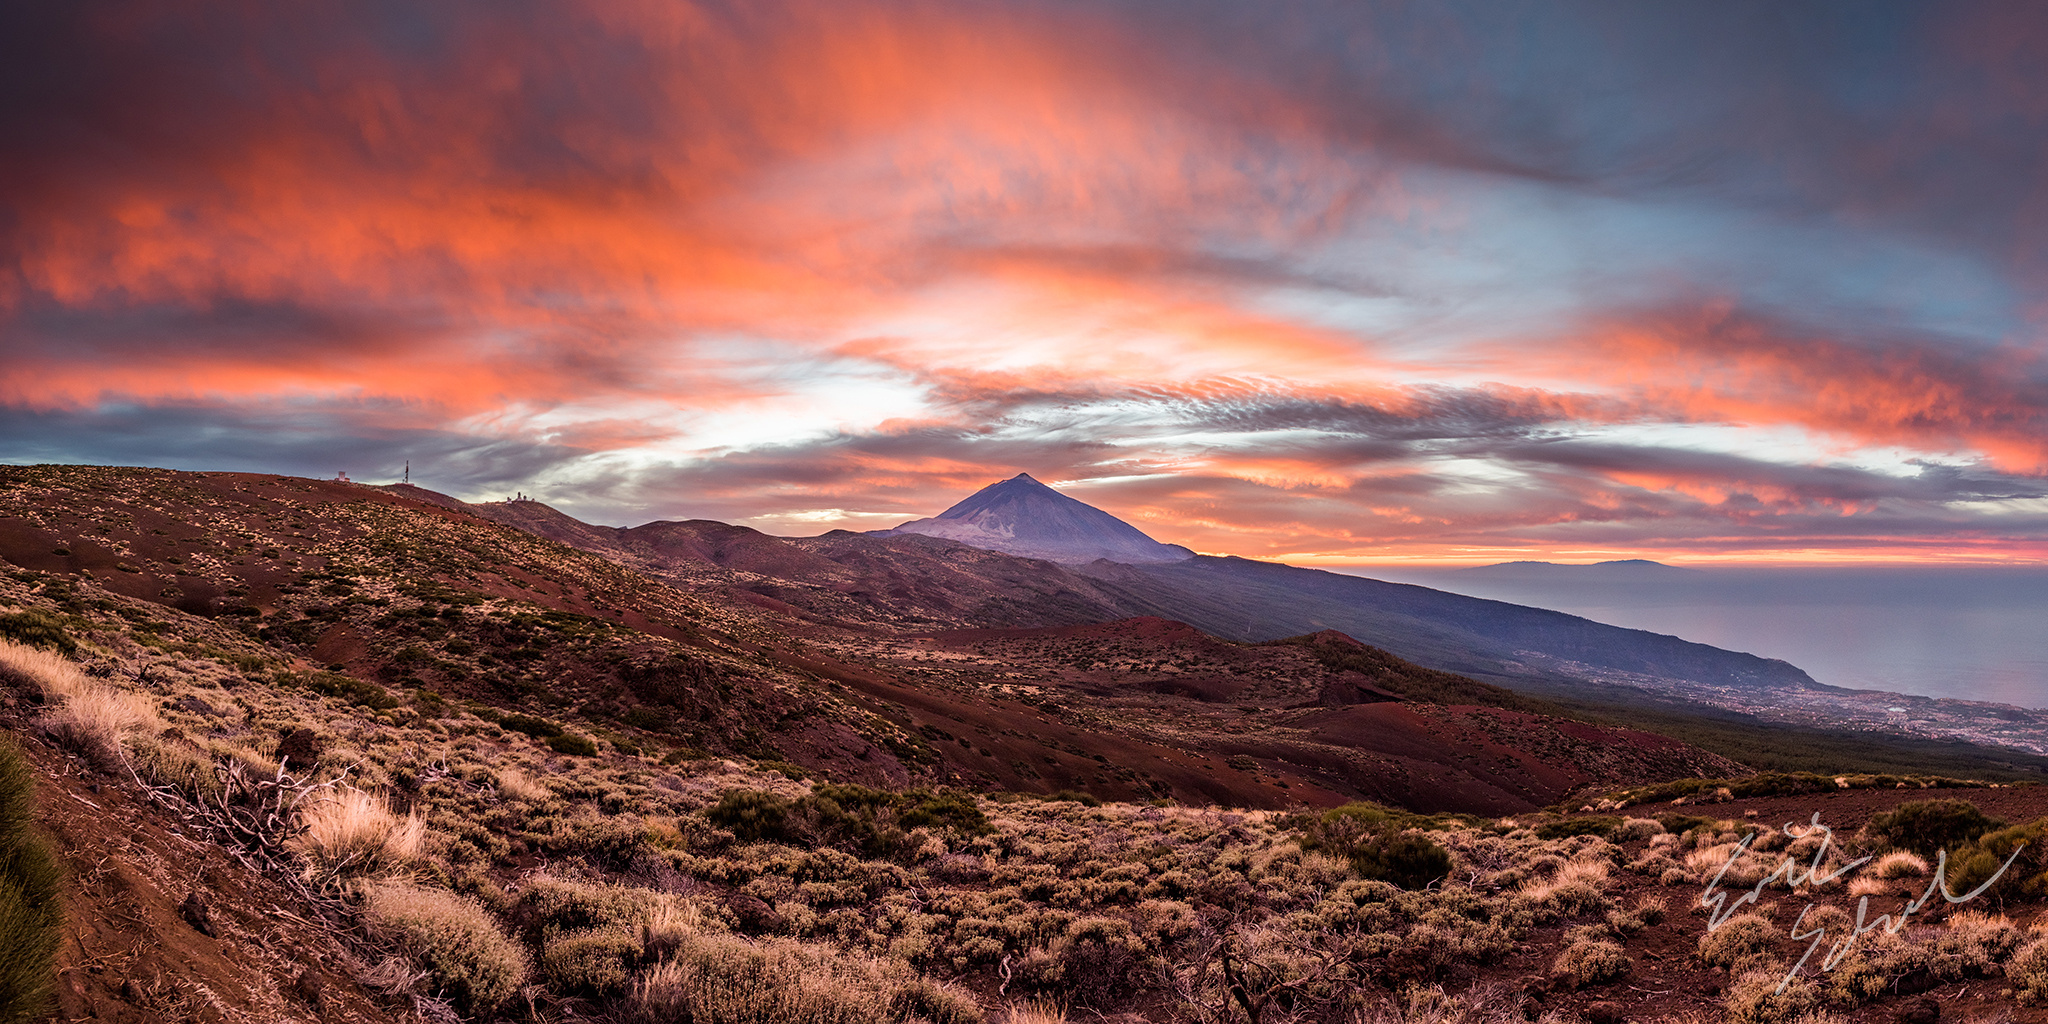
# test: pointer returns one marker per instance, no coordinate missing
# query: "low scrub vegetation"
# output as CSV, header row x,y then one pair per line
x,y
1926,827
1770,784
1380,843
452,940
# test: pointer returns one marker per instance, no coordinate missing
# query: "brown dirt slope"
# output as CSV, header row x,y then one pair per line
x,y
130,954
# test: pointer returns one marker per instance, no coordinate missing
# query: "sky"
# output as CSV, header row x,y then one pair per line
x,y
1328,282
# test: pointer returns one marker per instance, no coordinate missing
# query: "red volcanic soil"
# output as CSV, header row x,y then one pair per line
x,y
1268,725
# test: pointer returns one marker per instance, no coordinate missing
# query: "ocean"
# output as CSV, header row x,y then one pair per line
x,y
1974,634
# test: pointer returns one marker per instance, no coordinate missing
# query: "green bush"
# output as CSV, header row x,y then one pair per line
x,y
857,819
1403,858
1377,842
538,728
570,743
37,629
31,897
1928,826
342,687
751,815
1978,861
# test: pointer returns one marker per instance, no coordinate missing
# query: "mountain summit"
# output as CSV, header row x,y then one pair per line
x,y
1021,516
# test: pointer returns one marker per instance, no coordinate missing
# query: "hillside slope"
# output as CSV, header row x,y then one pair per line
x,y
675,638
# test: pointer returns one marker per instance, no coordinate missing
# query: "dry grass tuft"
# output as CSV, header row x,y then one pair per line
x,y
99,721
1037,1011
51,676
518,785
665,924
86,715
350,830
1899,864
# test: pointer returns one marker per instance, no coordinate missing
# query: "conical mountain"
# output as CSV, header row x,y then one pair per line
x,y
1021,516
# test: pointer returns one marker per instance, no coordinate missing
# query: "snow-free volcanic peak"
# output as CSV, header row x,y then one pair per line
x,y
1021,516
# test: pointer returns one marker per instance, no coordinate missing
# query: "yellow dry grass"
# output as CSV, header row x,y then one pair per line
x,y
518,785
50,675
352,830
1899,864
1587,871
90,716
1037,1011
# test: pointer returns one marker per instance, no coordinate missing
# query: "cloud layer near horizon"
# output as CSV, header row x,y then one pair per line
x,y
1315,280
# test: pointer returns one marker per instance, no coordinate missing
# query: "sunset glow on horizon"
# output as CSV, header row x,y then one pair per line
x,y
1330,283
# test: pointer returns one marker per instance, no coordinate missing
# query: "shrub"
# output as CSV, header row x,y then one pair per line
x,y
1632,829
1591,963
1927,826
1873,963
1602,826
31,897
361,693
1097,960
594,962
927,1000
1406,859
36,628
854,818
572,744
722,979
538,728
1740,943
2028,972
1380,843
751,815
2027,847
467,959
1973,945
1754,998
550,904
350,830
